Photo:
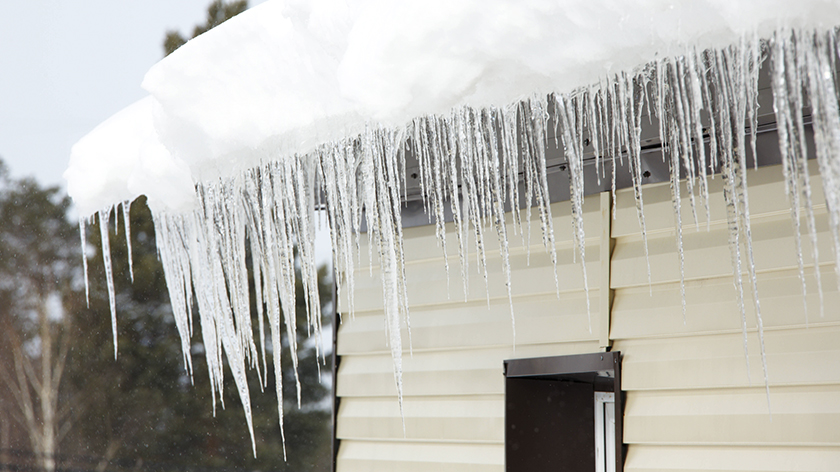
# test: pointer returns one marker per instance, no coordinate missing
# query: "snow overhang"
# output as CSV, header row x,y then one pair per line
x,y
122,159
286,76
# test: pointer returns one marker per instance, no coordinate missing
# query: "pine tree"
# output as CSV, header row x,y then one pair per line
x,y
217,13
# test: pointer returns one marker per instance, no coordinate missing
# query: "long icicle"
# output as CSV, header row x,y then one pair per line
x,y
109,273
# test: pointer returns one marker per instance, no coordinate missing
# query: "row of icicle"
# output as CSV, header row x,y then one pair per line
x,y
480,162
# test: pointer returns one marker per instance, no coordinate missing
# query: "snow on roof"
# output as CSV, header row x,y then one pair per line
x,y
286,76
224,146
122,159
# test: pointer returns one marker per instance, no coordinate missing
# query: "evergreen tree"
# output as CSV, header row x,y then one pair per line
x,y
145,409
39,262
217,13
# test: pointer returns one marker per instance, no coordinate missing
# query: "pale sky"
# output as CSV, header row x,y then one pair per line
x,y
66,66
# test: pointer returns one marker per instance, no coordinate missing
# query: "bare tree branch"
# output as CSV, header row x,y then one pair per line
x,y
26,405
64,349
110,452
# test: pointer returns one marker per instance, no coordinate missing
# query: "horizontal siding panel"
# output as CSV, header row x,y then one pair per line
x,y
794,357
691,404
465,418
766,192
427,282
800,416
454,384
711,305
534,272
539,319
370,456
418,241
652,458
458,372
707,254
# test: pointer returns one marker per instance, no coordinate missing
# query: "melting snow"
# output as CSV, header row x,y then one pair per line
x,y
294,105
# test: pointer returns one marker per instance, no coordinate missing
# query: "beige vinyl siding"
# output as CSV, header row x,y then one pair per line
x,y
690,403
453,380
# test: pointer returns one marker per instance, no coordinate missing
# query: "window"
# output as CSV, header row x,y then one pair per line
x,y
564,413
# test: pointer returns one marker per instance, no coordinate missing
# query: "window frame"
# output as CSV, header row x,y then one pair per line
x,y
600,372
604,417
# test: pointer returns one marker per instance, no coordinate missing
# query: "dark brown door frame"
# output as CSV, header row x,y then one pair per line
x,y
547,376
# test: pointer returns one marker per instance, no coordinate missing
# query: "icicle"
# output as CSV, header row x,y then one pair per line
x,y
537,112
437,169
788,150
172,251
286,213
206,298
606,131
685,127
518,129
455,202
624,109
126,208
104,216
573,150
252,212
390,259
747,99
734,66
696,82
672,132
498,208
729,175
83,237
593,124
471,186
795,83
389,144
819,81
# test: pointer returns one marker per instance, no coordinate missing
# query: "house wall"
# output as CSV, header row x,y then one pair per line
x,y
690,403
